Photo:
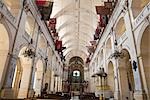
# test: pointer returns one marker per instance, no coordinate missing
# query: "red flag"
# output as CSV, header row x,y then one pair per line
x,y
96,36
55,34
58,45
103,20
45,8
98,30
52,21
103,10
40,2
52,26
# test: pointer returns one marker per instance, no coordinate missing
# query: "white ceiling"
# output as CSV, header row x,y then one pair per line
x,y
76,24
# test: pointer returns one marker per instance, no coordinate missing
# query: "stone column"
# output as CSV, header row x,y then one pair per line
x,y
7,91
143,77
116,78
138,93
31,83
23,91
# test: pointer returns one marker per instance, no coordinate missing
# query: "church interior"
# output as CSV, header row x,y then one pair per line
x,y
75,49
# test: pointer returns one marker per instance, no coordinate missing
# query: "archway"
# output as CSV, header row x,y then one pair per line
x,y
120,28
137,6
111,78
4,49
76,75
126,76
21,77
145,54
13,6
38,79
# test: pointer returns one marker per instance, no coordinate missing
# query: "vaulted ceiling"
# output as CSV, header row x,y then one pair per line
x,y
76,24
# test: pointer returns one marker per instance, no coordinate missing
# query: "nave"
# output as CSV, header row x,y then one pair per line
x,y
75,49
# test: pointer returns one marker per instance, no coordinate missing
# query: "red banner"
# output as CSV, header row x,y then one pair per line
x,y
40,2
55,34
103,20
58,45
96,36
98,30
52,26
52,21
102,10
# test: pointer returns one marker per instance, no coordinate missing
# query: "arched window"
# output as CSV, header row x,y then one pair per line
x,y
76,73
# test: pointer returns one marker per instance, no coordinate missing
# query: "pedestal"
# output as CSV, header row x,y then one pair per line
x,y
138,95
116,95
31,93
8,93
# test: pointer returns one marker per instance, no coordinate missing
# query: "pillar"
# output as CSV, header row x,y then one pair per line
x,y
143,78
7,91
116,78
25,81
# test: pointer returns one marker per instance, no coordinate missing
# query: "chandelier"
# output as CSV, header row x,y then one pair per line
x,y
116,54
29,53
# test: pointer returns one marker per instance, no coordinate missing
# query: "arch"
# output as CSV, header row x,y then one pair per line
x,y
38,78
76,81
137,6
145,54
127,83
77,59
120,27
139,39
111,81
30,25
14,6
4,49
21,78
